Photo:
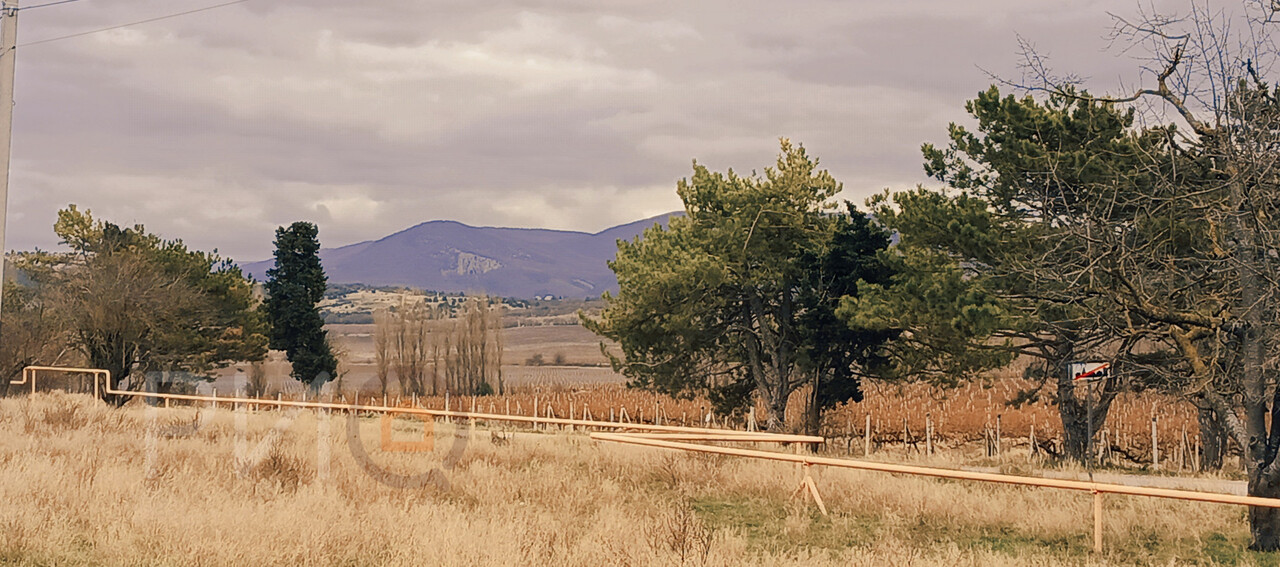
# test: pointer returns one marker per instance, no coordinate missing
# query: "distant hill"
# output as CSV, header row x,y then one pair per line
x,y
450,256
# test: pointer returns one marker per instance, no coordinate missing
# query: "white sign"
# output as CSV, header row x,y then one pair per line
x,y
1089,370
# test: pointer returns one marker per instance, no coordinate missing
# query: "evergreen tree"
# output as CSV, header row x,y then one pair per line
x,y
737,297
988,269
294,288
130,301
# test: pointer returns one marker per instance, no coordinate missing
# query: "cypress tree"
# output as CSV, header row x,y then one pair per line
x,y
294,288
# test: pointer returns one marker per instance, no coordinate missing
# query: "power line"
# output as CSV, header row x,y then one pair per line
x,y
47,4
147,21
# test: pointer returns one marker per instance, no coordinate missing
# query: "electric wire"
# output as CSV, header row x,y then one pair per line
x,y
46,4
146,21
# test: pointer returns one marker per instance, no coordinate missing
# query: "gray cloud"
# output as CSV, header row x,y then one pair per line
x,y
368,117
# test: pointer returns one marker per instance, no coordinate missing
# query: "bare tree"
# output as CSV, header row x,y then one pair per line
x,y
383,330
257,386
472,348
411,342
1193,265
33,333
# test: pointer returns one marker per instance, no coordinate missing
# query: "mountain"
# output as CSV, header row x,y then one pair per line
x,y
453,257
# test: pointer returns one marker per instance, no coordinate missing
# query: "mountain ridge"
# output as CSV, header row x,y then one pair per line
x,y
450,256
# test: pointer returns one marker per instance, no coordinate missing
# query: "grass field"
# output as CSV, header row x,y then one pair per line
x,y
83,484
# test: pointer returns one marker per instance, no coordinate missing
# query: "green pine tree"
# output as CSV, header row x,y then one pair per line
x,y
736,299
294,288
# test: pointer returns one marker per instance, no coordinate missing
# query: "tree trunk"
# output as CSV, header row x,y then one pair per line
x,y
776,404
1264,523
813,409
1259,447
1075,440
1213,439
1074,411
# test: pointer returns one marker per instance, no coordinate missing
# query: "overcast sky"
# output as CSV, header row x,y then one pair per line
x,y
370,117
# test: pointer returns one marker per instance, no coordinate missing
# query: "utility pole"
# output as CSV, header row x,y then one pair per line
x,y
8,53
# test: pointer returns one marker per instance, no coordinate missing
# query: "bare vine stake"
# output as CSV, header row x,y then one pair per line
x,y
1182,450
998,448
906,437
928,434
1031,443
1196,463
1155,445
866,442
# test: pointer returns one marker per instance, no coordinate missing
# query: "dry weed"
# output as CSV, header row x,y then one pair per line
x,y
90,487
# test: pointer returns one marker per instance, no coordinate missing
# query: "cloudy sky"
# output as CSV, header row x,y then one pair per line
x,y
369,117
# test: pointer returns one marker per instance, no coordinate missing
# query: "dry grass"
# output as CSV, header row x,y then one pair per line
x,y
83,484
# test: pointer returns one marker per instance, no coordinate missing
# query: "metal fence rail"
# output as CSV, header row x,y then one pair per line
x,y
687,433
1096,488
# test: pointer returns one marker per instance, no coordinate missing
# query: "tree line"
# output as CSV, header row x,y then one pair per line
x,y
1138,230
128,301
159,315
431,353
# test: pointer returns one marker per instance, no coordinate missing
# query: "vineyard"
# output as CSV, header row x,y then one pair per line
x,y
904,419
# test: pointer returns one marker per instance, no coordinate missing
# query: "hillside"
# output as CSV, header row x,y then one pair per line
x,y
449,256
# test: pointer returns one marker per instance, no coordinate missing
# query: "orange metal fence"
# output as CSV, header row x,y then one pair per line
x,y
676,437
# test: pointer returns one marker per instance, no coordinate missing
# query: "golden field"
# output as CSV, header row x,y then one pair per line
x,y
85,484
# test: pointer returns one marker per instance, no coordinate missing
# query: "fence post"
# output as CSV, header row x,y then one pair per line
x,y
1155,445
1097,521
